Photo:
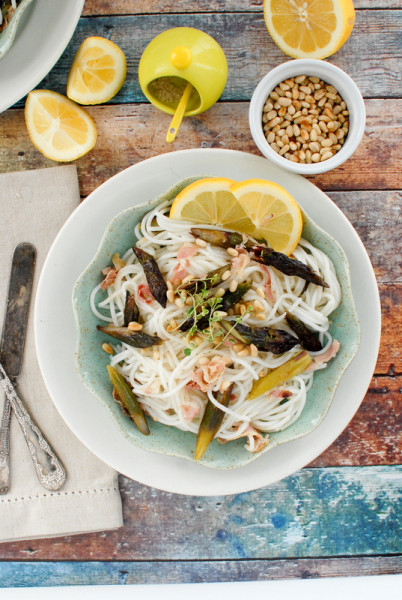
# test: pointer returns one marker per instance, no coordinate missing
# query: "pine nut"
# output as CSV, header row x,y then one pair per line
x,y
261,316
134,326
226,275
233,285
244,352
238,347
107,348
232,252
203,360
253,350
260,292
258,306
225,385
170,295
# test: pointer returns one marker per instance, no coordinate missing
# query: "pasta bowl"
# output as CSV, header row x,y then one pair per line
x,y
91,360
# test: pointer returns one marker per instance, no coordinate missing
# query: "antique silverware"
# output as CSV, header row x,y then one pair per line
x,y
48,467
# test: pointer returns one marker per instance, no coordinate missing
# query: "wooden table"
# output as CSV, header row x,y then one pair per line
x,y
339,515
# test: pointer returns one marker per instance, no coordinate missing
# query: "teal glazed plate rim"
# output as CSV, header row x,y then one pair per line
x,y
91,360
7,36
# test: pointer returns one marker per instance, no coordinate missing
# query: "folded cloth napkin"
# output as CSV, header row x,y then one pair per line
x,y
33,207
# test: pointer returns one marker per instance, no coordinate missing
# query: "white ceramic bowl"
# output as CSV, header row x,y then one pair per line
x,y
328,73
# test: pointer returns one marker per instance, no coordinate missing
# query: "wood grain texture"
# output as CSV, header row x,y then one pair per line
x,y
331,512
127,7
129,134
374,436
35,574
249,50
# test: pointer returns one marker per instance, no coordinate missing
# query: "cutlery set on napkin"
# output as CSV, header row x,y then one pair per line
x,y
50,484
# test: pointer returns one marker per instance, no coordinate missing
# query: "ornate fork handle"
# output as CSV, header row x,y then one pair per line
x,y
5,447
49,469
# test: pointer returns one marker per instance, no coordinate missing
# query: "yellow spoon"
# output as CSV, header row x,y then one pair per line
x,y
178,115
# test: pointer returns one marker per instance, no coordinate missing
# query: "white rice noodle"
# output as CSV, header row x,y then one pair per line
x,y
162,376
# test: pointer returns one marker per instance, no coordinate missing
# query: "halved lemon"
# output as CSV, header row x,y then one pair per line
x,y
97,73
210,201
275,215
309,28
259,208
58,128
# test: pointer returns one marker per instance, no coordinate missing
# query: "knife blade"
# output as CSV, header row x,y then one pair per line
x,y
17,308
13,340
48,467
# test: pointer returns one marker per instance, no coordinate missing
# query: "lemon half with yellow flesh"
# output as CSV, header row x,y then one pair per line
x,y
309,28
97,73
259,208
58,128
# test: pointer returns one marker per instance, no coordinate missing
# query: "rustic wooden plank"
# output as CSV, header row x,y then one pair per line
x,y
389,360
374,436
370,56
39,574
331,512
129,134
137,7
377,218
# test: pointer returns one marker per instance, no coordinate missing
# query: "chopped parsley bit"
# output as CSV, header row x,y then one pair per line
x,y
187,351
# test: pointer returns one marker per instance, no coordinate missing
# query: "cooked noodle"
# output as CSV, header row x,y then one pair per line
x,y
162,376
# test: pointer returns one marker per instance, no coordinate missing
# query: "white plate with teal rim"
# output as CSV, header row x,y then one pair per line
x,y
90,418
32,43
92,360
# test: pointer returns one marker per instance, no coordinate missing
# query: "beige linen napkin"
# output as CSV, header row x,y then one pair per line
x,y
33,207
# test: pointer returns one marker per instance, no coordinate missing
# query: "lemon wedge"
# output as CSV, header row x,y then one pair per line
x,y
259,208
58,128
210,201
275,215
309,28
97,73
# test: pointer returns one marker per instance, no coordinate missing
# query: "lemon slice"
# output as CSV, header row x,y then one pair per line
x,y
309,28
210,201
58,128
275,215
97,73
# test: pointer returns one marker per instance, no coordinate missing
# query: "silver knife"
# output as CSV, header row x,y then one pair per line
x,y
49,469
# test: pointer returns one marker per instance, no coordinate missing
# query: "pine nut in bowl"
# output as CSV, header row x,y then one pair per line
x,y
307,116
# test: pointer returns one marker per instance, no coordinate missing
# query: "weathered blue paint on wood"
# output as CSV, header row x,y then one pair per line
x,y
321,512
19,574
316,512
250,51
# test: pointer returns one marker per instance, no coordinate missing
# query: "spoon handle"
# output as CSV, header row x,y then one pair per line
x,y
179,114
49,469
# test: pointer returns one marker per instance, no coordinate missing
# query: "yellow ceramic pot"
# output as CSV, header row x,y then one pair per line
x,y
179,56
